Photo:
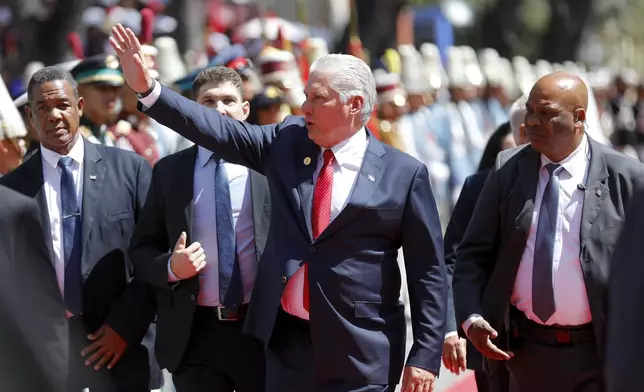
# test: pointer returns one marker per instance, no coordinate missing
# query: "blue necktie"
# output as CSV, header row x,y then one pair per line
x,y
230,285
543,297
71,219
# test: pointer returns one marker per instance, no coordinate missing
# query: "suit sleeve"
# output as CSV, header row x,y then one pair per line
x,y
234,141
132,315
150,247
41,312
624,339
422,244
475,257
453,237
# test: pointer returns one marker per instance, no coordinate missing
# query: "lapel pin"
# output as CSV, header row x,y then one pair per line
x,y
307,161
92,177
371,177
599,192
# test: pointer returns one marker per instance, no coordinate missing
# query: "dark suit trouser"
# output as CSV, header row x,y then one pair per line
x,y
538,368
219,357
499,381
289,361
82,376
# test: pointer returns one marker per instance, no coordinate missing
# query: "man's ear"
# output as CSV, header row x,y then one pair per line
x,y
80,104
245,109
357,103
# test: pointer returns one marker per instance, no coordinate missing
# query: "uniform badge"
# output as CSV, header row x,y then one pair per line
x,y
111,62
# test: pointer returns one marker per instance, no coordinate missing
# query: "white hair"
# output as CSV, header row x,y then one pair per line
x,y
517,117
349,77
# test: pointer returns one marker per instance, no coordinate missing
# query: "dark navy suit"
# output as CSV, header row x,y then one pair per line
x,y
357,322
115,183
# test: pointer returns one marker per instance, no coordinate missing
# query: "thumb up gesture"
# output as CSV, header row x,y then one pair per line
x,y
186,262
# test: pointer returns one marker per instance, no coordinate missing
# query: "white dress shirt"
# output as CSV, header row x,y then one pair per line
x,y
204,229
349,156
51,177
571,300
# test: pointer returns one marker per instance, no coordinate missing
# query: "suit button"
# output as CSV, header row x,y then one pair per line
x,y
284,279
313,249
192,297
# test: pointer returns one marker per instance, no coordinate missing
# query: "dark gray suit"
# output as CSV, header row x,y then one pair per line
x,y
624,339
494,243
33,330
114,186
167,212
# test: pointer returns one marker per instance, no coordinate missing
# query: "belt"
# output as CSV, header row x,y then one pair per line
x,y
552,335
225,314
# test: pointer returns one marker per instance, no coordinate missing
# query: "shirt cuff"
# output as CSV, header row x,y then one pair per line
x,y
152,97
171,276
450,334
468,323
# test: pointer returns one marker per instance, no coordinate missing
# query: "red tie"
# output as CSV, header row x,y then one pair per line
x,y
321,211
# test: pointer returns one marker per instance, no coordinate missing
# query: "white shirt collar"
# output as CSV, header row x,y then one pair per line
x,y
76,153
351,150
575,163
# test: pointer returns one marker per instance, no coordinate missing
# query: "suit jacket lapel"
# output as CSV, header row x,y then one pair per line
x,y
596,188
305,164
34,187
94,171
529,166
184,181
260,200
366,183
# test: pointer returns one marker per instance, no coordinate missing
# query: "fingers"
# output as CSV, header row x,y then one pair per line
x,y
493,352
92,347
118,36
114,360
133,40
98,354
462,360
193,247
104,360
116,46
490,331
181,242
196,255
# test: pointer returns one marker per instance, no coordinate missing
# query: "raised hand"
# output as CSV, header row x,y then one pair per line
x,y
128,49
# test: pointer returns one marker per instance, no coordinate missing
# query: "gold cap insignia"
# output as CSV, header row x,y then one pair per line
x,y
111,62
272,92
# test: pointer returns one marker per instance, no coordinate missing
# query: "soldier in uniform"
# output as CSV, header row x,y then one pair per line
x,y
278,68
12,133
265,106
99,82
391,104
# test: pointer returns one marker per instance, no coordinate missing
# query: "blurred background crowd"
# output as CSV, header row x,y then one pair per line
x,y
447,71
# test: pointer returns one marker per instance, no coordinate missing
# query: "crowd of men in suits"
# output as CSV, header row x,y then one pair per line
x,y
263,257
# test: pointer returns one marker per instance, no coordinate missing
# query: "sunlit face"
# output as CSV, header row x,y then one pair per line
x,y
329,120
54,112
102,102
551,127
269,115
225,98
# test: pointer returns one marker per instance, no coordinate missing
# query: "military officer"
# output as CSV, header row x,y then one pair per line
x,y
99,82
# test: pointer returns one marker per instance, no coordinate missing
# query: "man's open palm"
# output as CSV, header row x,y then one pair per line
x,y
128,49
